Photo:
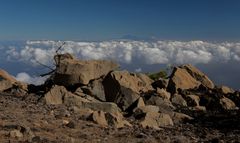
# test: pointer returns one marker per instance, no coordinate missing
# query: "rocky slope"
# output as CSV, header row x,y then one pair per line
x,y
91,101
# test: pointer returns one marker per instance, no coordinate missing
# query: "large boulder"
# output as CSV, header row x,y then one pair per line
x,y
124,88
199,76
70,71
96,89
56,95
181,79
187,77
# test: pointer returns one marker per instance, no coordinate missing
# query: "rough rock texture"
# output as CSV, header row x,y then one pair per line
x,y
56,95
99,118
181,79
96,89
226,90
177,99
227,104
188,77
70,71
124,88
199,76
6,76
161,83
192,100
5,84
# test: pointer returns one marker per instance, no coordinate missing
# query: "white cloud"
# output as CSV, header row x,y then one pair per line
x,y
24,77
129,52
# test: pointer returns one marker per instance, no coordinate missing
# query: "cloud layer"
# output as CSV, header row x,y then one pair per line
x,y
129,52
125,52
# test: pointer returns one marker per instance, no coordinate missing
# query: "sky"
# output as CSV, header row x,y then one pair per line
x,y
209,20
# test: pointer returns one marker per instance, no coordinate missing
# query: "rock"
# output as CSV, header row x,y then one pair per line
x,y
82,113
226,90
199,76
227,104
145,109
116,120
108,119
81,93
98,117
163,93
96,89
161,83
163,104
5,84
180,117
181,79
56,95
126,98
192,100
156,120
6,76
70,71
177,99
16,134
140,102
79,102
124,88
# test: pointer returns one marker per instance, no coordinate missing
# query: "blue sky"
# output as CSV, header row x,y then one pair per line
x,y
109,19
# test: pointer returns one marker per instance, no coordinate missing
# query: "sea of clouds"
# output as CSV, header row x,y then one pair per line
x,y
141,56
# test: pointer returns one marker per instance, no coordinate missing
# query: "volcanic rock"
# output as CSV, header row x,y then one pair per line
x,y
70,71
199,76
177,99
124,88
188,77
227,104
181,79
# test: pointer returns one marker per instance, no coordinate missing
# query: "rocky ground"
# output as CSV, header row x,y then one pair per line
x,y
28,119
91,101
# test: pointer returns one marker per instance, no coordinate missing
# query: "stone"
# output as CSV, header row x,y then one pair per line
x,y
227,104
199,76
140,102
56,95
96,89
16,134
6,76
71,71
98,117
192,100
181,79
163,93
124,88
226,90
79,102
180,117
177,99
81,93
116,120
161,83
82,113
146,109
163,104
126,98
5,84
156,120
